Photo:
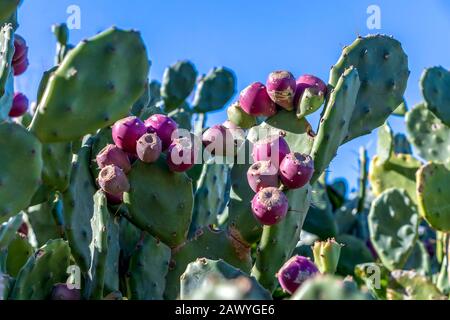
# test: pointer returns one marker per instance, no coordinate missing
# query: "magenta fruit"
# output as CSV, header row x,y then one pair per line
x,y
126,133
262,174
255,101
281,88
114,199
163,126
273,148
181,155
113,155
296,170
269,206
149,147
219,140
113,180
20,59
60,291
19,105
308,81
295,272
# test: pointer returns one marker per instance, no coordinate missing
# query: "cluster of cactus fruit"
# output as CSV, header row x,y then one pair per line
x,y
119,178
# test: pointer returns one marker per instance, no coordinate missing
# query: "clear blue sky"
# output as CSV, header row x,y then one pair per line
x,y
251,37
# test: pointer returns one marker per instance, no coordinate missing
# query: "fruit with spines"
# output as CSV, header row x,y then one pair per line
x,y
149,147
295,272
255,101
19,106
273,148
219,141
20,60
113,180
181,154
281,88
326,255
239,117
61,291
164,127
296,170
113,155
269,206
262,174
310,94
126,132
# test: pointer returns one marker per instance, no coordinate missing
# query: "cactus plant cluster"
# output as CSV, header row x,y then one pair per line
x,y
119,178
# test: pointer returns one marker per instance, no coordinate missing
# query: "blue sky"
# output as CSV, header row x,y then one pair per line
x,y
251,37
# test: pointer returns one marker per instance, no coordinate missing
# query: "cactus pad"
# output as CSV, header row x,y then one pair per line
x,y
434,84
178,83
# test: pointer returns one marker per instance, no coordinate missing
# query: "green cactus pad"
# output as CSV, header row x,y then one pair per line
x,y
152,205
429,135
19,250
334,124
111,280
102,77
148,268
100,140
20,168
155,92
178,83
7,8
401,110
44,269
385,143
327,287
320,219
383,71
211,196
210,244
399,172
419,259
42,222
6,56
434,84
401,144
200,271
79,207
6,283
374,276
182,116
129,236
43,83
353,252
142,102
410,285
239,117
393,224
8,231
279,241
57,159
432,183
214,90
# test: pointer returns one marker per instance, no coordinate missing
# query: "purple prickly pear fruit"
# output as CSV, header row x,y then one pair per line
x,y
219,140
230,125
20,59
269,206
60,291
273,148
163,126
114,199
308,81
296,170
262,174
126,133
113,155
19,105
255,101
113,180
281,88
181,155
295,272
149,147
23,229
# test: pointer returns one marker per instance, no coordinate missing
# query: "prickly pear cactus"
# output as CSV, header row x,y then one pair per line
x,y
401,144
44,269
57,158
432,181
7,8
19,250
214,90
393,225
148,268
20,168
152,205
334,123
428,134
434,84
8,231
409,285
6,78
95,78
385,143
383,71
198,273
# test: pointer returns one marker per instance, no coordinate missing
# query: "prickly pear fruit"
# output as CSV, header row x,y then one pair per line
x,y
326,255
113,180
149,147
255,101
239,117
269,206
163,126
218,140
114,199
295,272
113,155
273,148
20,59
19,106
181,155
296,170
281,88
309,81
126,132
262,174
60,291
